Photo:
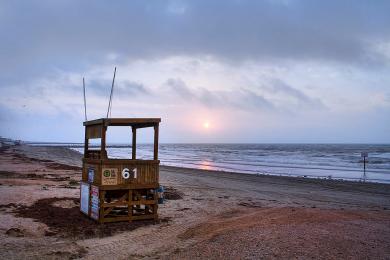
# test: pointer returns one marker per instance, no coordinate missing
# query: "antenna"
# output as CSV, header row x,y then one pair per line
x,y
112,91
85,101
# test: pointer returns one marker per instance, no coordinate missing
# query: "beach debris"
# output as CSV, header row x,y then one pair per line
x,y
66,204
67,186
183,209
78,254
73,182
15,232
250,204
171,193
160,194
66,221
50,233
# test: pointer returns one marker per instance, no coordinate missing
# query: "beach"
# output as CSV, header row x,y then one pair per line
x,y
206,214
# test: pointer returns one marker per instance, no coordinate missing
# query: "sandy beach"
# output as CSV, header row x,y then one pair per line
x,y
206,214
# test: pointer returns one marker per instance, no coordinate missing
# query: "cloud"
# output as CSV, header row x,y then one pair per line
x,y
178,87
103,88
240,99
43,36
279,87
276,59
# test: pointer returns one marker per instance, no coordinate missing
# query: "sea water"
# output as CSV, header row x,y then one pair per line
x,y
331,161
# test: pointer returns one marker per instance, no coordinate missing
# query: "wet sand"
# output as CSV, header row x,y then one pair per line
x,y
207,215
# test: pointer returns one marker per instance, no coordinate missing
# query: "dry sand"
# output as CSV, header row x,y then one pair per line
x,y
207,215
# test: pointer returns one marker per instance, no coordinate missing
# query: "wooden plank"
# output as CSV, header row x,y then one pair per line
x,y
93,122
150,216
122,121
102,194
130,162
155,207
130,205
130,121
115,219
144,125
121,161
114,204
129,186
103,153
144,202
155,155
134,143
94,132
107,211
85,142
146,174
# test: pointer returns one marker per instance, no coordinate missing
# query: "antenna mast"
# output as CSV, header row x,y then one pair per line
x,y
85,101
112,91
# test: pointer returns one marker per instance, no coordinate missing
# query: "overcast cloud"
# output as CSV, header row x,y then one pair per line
x,y
273,71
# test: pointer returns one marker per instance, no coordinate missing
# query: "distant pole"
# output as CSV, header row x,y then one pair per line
x,y
364,155
112,90
364,163
85,102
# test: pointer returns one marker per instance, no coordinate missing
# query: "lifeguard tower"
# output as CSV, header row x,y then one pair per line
x,y
119,189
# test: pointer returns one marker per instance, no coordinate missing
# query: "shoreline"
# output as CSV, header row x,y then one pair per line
x,y
291,177
299,176
207,214
67,156
345,172
287,164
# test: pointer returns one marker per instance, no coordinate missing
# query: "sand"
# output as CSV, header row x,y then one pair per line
x,y
206,215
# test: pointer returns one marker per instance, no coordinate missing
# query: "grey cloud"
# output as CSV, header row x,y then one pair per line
x,y
241,99
387,97
213,98
131,88
255,100
178,87
280,87
42,36
103,88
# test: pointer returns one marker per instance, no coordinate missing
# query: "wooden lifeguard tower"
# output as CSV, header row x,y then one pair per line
x,y
119,189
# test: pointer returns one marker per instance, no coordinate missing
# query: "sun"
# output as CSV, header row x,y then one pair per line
x,y
206,125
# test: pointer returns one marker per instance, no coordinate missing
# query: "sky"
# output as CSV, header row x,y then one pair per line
x,y
227,71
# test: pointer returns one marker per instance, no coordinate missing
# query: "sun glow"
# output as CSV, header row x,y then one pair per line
x,y
206,125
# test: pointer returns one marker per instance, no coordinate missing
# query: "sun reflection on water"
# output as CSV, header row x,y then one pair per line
x,y
206,165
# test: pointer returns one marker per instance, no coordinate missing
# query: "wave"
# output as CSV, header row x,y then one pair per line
x,y
311,160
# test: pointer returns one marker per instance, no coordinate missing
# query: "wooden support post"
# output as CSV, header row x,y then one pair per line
x,y
102,194
147,207
130,205
103,152
138,197
155,206
155,157
85,143
134,143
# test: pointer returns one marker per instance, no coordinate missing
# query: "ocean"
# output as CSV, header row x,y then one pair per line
x,y
330,161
